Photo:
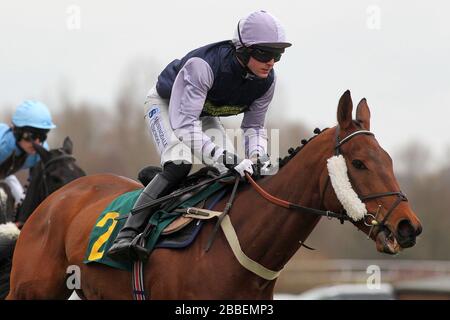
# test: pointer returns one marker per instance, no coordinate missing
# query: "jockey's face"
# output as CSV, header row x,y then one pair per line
x,y
30,135
27,146
260,69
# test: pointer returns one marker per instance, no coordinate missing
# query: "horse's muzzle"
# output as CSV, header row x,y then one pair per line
x,y
386,242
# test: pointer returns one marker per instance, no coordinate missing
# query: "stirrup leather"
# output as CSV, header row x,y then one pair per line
x,y
137,250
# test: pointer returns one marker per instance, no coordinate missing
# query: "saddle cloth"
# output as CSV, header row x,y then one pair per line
x,y
112,219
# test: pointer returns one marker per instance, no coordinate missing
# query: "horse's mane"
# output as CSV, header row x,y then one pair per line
x,y
36,192
292,152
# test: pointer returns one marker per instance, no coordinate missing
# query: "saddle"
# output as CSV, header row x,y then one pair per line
x,y
190,214
181,218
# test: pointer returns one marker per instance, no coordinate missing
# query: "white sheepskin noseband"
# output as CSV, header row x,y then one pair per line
x,y
337,169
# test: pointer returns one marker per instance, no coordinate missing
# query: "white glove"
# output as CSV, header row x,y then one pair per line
x,y
233,162
220,167
244,166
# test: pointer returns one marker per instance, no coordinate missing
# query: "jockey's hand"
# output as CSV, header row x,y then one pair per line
x,y
262,164
262,161
244,166
233,162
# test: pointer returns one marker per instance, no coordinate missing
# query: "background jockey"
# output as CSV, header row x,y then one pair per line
x,y
31,122
220,79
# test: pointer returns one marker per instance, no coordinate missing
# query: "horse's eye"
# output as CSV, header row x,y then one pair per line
x,y
358,164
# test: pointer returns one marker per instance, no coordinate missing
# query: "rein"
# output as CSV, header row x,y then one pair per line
x,y
342,216
290,205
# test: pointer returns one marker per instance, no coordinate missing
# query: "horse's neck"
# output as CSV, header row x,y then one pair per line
x,y
34,196
269,233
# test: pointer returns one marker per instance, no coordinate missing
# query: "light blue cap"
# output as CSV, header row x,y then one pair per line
x,y
33,114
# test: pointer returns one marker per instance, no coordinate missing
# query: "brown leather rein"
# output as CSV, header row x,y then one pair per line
x,y
342,216
290,205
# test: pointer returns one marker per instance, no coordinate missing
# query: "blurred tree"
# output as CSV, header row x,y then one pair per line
x,y
414,159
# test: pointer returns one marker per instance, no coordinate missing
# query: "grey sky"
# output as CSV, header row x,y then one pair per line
x,y
402,68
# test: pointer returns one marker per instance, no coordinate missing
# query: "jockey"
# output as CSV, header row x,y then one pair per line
x,y
220,79
30,124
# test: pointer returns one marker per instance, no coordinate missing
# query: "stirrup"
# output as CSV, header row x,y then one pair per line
x,y
137,251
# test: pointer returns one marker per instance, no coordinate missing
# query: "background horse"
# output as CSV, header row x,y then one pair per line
x,y
55,169
57,233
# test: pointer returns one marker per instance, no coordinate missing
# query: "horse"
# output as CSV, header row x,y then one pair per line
x,y
56,236
56,168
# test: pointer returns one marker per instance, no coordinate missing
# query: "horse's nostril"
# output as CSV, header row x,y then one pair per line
x,y
406,229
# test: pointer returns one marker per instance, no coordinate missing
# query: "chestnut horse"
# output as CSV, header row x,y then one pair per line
x,y
56,235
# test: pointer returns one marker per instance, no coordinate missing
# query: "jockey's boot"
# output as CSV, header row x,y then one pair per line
x,y
123,247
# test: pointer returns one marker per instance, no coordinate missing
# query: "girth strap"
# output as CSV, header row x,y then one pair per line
x,y
244,260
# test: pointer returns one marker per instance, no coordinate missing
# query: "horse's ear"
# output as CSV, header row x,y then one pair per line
x,y
344,112
363,114
68,145
42,152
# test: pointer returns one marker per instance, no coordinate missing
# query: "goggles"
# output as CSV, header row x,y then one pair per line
x,y
32,134
263,55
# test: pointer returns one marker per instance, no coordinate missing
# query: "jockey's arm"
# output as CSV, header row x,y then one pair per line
x,y
187,99
255,133
6,146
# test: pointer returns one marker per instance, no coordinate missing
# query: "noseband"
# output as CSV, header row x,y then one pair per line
x,y
400,195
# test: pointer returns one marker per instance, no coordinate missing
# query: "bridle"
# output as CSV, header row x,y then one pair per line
x,y
342,216
400,195
341,187
44,168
